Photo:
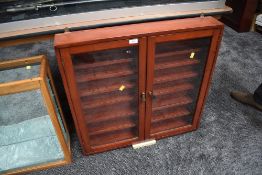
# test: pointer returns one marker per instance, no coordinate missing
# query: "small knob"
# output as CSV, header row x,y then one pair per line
x,y
128,51
151,94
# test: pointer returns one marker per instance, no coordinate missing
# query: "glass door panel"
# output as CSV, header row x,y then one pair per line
x,y
178,71
107,83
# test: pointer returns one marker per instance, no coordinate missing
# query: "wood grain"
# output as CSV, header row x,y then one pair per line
x,y
19,86
90,95
13,63
99,35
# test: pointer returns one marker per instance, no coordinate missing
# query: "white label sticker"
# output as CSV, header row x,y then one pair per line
x,y
192,55
133,41
28,67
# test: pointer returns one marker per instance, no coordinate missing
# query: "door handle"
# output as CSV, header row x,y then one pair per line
x,y
143,97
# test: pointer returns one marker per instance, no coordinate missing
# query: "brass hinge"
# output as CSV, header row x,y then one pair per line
x,y
143,96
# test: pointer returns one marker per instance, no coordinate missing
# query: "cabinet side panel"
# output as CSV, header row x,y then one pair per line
x,y
62,72
213,53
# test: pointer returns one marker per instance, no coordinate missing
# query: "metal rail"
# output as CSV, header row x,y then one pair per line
x,y
108,17
51,4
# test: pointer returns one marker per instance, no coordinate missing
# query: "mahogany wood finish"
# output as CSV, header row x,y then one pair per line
x,y
134,82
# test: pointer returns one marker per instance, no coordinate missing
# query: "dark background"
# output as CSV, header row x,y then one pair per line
x,y
70,9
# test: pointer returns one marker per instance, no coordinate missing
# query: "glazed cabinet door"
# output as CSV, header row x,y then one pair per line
x,y
107,82
178,70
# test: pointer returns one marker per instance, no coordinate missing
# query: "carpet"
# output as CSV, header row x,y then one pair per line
x,y
229,140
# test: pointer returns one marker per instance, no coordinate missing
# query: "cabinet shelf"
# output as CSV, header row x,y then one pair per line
x,y
103,63
168,115
179,101
113,137
110,127
82,78
108,101
173,89
174,64
105,89
170,124
173,77
175,53
110,115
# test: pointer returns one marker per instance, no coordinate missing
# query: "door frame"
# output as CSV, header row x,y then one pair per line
x,y
68,75
216,35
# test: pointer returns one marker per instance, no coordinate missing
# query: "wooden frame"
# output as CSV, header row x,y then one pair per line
x,y
33,84
148,34
75,104
216,35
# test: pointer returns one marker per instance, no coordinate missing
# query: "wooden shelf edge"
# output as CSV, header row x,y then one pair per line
x,y
171,115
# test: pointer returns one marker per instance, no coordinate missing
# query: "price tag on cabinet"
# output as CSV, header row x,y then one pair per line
x,y
192,56
122,88
133,41
28,67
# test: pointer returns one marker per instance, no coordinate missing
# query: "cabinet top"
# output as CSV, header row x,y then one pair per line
x,y
70,39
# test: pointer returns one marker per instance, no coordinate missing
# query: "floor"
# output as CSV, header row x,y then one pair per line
x,y
229,140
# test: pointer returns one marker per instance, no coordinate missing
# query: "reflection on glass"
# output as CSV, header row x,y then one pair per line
x,y
179,67
27,136
57,110
20,73
108,87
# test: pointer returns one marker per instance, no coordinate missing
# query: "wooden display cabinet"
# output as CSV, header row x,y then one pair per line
x,y
130,83
33,133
